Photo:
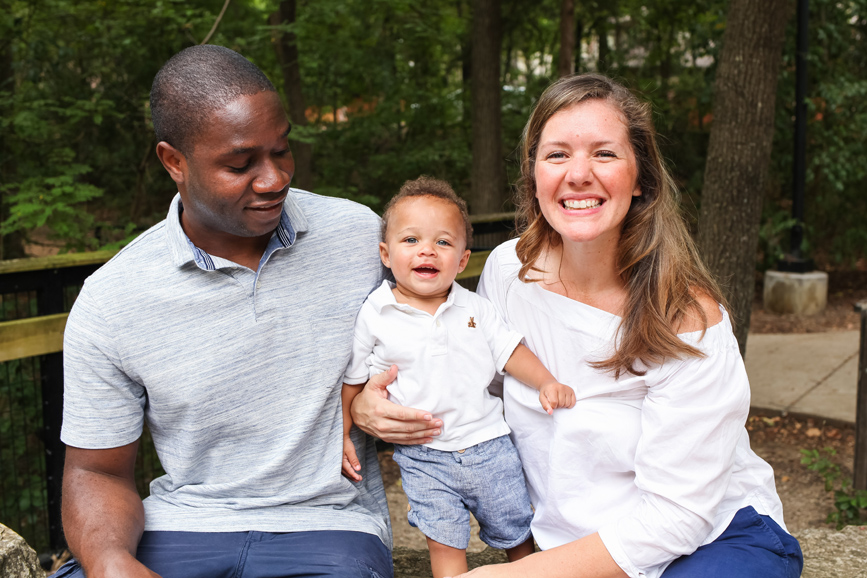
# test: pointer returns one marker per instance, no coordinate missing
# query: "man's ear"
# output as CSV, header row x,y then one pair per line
x,y
173,160
383,254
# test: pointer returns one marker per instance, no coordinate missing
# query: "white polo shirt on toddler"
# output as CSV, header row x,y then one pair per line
x,y
445,361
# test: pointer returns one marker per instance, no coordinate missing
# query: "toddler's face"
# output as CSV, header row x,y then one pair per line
x,y
425,246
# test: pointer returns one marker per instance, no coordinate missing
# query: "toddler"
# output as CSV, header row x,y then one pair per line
x,y
447,343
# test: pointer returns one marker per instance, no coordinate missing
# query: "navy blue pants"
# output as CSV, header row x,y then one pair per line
x,y
753,546
259,555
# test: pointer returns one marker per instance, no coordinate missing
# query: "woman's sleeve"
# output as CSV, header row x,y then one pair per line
x,y
692,419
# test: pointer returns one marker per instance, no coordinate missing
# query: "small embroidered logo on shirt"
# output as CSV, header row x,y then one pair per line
x,y
472,323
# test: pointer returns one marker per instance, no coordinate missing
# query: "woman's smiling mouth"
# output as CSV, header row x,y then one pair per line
x,y
573,204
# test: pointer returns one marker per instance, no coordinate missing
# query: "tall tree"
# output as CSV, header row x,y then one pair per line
x,y
287,53
488,172
566,60
11,244
739,149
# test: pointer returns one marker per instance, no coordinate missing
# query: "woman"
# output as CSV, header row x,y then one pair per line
x,y
651,473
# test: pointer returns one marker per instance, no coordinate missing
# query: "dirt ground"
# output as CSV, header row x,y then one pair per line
x,y
777,438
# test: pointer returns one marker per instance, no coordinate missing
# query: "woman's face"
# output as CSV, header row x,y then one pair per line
x,y
586,173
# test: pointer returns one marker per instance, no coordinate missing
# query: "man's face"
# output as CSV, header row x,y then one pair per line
x,y
237,175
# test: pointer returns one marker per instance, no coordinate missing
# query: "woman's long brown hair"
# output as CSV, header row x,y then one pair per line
x,y
657,259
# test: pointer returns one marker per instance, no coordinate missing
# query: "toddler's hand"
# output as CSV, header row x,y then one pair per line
x,y
351,465
554,394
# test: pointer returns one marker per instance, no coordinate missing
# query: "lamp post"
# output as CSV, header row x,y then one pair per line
x,y
794,261
796,287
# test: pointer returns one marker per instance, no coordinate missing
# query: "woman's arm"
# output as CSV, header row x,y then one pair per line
x,y
584,558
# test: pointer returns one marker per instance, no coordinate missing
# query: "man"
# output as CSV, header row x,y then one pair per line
x,y
227,327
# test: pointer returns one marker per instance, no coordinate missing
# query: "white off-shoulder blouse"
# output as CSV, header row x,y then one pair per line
x,y
657,464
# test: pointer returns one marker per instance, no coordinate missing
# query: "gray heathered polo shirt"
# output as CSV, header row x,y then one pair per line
x,y
237,373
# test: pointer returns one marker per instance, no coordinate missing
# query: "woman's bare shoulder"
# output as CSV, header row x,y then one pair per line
x,y
693,321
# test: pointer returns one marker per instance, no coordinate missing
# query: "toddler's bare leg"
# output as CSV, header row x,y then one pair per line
x,y
445,560
521,550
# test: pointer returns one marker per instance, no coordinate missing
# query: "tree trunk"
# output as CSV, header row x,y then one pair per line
x,y
488,172
287,54
579,35
602,63
739,150
566,62
11,245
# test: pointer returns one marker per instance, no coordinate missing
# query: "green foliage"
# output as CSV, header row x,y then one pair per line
x,y
387,88
837,120
23,497
848,503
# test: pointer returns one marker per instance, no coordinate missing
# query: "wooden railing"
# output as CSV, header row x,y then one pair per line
x,y
49,276
55,281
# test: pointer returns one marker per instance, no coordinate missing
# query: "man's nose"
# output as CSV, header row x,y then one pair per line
x,y
274,177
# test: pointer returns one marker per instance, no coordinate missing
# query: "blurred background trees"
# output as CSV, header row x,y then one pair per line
x,y
381,91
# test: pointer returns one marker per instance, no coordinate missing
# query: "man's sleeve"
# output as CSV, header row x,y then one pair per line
x,y
102,407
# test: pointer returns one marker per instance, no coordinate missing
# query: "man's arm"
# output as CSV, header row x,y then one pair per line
x,y
375,415
103,516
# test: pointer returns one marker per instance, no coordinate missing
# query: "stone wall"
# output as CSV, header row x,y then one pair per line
x,y
827,554
833,554
17,559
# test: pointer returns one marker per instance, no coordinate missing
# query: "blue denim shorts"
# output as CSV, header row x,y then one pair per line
x,y
485,479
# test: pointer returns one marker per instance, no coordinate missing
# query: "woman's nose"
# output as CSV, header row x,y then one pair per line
x,y
580,171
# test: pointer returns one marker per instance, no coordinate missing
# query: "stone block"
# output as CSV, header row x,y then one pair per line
x,y
798,293
17,559
412,563
834,554
827,554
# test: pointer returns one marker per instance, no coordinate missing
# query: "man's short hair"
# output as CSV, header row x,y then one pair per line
x,y
193,84
429,187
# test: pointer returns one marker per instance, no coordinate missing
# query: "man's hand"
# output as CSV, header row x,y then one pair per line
x,y
123,565
374,414
554,394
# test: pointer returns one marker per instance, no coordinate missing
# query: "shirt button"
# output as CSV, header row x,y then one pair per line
x,y
438,323
258,284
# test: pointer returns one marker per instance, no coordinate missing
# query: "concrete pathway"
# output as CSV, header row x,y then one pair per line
x,y
811,373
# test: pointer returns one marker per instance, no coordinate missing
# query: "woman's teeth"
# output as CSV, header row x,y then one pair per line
x,y
582,204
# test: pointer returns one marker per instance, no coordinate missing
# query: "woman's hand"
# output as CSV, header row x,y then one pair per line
x,y
374,414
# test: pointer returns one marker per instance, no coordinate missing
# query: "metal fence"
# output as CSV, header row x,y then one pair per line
x,y
31,388
31,405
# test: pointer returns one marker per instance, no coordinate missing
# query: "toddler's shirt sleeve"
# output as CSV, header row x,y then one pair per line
x,y
501,339
358,371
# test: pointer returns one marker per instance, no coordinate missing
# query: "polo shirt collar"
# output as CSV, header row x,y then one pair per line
x,y
292,222
383,297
